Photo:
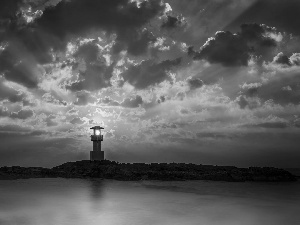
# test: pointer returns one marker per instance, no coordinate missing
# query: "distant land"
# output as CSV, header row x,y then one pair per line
x,y
294,171
155,171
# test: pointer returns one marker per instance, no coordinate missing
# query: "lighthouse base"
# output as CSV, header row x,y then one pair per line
x,y
96,155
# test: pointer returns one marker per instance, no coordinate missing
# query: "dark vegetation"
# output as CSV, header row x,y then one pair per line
x,y
155,171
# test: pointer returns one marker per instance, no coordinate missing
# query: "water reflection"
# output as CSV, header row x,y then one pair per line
x,y
95,201
96,188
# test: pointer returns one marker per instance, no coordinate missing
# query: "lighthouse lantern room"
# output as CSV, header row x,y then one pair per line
x,y
96,138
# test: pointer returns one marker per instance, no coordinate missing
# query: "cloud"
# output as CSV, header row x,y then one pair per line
x,y
172,22
83,98
295,59
161,99
9,93
93,72
283,61
12,128
19,66
22,114
279,81
108,101
281,14
53,98
49,121
8,11
272,125
248,102
77,120
23,47
126,103
250,89
195,83
4,112
149,73
89,52
132,102
280,58
123,17
231,49
30,45
93,78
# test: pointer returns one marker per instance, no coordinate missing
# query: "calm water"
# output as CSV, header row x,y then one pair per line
x,y
75,201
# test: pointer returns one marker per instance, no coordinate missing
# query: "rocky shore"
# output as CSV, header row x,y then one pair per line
x,y
155,171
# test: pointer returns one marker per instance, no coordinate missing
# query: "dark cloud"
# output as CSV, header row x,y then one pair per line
x,y
89,52
172,22
241,100
132,102
8,11
77,120
9,93
281,14
195,83
283,90
12,128
181,96
49,121
32,44
236,49
93,78
213,135
24,48
3,112
83,98
108,101
109,134
279,125
92,122
126,103
140,45
94,74
282,59
123,17
297,123
149,73
184,111
250,89
18,66
161,99
273,125
38,132
295,59
22,114
53,98
247,102
7,130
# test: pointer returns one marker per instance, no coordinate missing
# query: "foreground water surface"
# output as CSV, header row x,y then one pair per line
x,y
78,202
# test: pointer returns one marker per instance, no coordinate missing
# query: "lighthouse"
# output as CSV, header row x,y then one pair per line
x,y
96,138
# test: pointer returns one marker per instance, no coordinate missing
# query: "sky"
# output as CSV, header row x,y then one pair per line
x,y
195,81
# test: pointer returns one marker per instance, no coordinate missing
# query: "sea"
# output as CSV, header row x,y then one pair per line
x,y
58,201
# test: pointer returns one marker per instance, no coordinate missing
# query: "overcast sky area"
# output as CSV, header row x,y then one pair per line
x,y
196,81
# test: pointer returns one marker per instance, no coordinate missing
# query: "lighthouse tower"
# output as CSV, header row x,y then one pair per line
x,y
96,138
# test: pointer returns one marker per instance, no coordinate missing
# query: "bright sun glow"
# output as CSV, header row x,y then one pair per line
x,y
97,132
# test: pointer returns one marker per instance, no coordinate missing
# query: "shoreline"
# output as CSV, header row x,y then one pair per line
x,y
106,169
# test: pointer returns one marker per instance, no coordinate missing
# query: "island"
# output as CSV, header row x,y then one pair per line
x,y
106,169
